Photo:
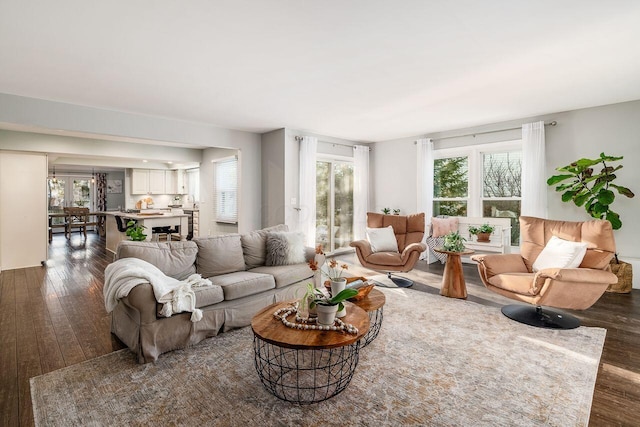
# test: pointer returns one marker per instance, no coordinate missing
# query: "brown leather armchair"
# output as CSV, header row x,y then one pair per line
x,y
408,230
511,275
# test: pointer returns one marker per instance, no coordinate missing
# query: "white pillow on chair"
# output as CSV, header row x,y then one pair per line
x,y
559,253
382,239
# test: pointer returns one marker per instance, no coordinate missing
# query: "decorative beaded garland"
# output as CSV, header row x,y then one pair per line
x,y
305,324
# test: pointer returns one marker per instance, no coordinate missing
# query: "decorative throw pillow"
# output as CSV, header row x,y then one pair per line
x,y
382,239
285,248
443,226
254,245
559,253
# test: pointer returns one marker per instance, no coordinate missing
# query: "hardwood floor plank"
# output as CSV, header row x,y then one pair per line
x,y
9,395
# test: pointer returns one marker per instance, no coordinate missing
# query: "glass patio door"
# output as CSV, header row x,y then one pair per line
x,y
334,204
69,192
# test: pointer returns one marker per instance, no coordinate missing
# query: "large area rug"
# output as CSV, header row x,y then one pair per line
x,y
437,361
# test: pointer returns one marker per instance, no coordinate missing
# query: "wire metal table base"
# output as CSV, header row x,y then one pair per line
x,y
375,317
305,376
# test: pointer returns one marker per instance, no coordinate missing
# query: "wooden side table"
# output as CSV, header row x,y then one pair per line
x,y
453,284
373,304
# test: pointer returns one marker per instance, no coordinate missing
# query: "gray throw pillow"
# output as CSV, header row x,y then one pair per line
x,y
254,245
285,248
219,255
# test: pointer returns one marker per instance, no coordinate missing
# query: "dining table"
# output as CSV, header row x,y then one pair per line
x,y
98,222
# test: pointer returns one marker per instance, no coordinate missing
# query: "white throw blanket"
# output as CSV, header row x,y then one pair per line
x,y
177,296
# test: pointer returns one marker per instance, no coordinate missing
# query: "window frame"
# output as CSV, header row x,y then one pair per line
x,y
474,153
219,211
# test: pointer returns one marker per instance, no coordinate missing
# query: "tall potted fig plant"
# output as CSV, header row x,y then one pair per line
x,y
583,184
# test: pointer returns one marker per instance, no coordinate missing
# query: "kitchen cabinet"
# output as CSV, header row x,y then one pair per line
x,y
156,181
139,181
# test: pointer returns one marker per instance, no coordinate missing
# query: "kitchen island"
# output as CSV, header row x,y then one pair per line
x,y
115,235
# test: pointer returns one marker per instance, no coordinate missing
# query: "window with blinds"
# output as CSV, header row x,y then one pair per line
x,y
226,189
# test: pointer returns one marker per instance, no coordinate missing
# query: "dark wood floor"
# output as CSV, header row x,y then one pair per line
x,y
54,316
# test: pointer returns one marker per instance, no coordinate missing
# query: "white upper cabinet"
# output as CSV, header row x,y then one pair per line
x,y
156,182
139,181
153,181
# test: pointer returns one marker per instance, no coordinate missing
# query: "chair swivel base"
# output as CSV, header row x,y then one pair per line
x,y
539,317
401,282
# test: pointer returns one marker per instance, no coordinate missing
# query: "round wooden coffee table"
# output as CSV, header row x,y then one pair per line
x,y
373,304
306,366
453,284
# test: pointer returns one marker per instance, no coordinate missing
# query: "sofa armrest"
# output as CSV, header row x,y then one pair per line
x,y
413,247
363,246
142,299
491,264
578,275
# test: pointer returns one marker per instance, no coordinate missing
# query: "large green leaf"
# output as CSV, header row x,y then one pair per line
x,y
581,198
614,219
605,158
568,195
606,197
598,208
623,190
585,163
557,178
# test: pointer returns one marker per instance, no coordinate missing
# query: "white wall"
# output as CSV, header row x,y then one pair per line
x,y
613,129
273,178
23,209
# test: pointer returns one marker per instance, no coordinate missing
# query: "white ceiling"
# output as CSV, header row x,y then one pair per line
x,y
364,70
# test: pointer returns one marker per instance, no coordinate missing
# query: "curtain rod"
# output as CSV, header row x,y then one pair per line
x,y
553,123
299,138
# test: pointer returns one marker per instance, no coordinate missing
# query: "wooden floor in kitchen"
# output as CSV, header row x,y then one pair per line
x,y
54,316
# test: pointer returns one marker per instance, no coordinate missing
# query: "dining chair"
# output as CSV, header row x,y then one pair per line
x,y
76,218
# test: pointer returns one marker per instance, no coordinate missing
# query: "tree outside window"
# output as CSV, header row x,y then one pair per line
x,y
450,186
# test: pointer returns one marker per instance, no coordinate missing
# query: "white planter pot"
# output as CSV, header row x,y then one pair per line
x,y
338,286
326,314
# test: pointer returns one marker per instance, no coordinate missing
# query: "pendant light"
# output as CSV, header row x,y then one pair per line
x,y
93,176
54,180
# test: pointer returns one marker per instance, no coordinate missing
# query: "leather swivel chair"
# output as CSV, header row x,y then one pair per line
x,y
512,275
409,231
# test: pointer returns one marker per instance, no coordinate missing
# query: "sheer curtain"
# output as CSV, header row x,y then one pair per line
x,y
425,183
307,211
534,181
360,190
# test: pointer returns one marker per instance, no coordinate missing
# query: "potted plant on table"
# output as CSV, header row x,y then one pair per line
x,y
483,232
334,272
135,232
386,211
327,307
396,211
454,242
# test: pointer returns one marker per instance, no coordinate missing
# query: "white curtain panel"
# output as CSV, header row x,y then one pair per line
x,y
307,212
534,180
360,190
425,183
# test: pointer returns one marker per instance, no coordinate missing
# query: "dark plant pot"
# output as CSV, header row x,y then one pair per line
x,y
484,237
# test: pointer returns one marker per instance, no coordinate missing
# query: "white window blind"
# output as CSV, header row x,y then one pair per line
x,y
226,185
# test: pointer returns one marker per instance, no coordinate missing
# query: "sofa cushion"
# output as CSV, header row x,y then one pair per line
x,y
442,226
520,283
254,245
243,283
560,253
382,239
207,295
219,255
286,275
175,259
285,248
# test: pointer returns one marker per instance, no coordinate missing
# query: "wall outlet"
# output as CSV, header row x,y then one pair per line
x,y
294,201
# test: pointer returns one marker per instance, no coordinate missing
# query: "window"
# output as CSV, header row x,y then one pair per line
x,y
334,204
479,181
451,186
226,189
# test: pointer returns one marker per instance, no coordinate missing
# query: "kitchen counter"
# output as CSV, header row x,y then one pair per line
x,y
148,220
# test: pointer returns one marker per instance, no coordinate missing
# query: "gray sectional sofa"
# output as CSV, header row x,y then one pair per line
x,y
243,285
